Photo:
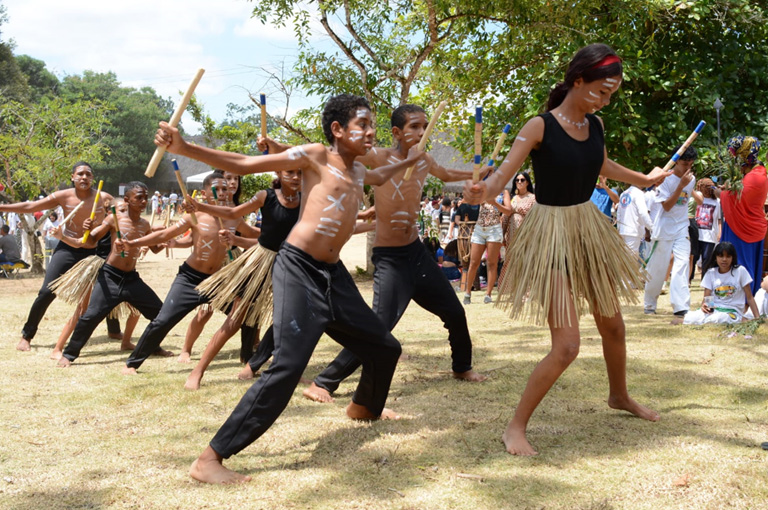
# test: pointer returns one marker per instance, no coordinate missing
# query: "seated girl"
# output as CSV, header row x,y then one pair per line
x,y
451,262
726,289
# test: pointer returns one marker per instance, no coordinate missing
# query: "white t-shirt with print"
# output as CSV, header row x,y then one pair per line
x,y
708,220
728,287
672,224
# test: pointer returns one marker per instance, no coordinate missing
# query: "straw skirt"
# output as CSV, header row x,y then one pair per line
x,y
574,245
77,283
248,277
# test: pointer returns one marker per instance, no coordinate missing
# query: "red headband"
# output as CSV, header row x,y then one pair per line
x,y
610,59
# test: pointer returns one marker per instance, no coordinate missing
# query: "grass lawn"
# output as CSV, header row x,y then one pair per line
x,y
90,438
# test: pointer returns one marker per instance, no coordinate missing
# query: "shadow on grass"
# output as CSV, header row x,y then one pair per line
x,y
77,498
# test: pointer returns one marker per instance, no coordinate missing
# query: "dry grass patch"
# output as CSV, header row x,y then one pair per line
x,y
88,437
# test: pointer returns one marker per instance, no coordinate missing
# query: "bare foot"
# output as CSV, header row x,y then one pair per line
x,y
127,346
358,412
163,353
128,371
470,376
403,357
63,363
115,336
184,357
23,345
305,381
676,321
516,443
209,469
193,381
627,404
55,354
246,373
318,394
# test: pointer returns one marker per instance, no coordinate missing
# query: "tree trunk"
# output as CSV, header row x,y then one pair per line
x,y
35,248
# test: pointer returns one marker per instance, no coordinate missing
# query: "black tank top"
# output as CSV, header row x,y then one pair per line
x,y
277,221
104,246
566,170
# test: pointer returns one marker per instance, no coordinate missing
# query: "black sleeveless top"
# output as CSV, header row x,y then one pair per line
x,y
276,221
104,246
566,170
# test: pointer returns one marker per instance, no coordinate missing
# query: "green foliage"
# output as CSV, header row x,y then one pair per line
x,y
42,83
40,142
252,184
132,115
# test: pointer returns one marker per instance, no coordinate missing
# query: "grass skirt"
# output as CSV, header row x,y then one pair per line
x,y
575,243
77,283
248,277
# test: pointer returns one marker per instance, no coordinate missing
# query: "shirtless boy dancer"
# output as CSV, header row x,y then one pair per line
x,y
64,256
313,292
118,279
404,269
206,258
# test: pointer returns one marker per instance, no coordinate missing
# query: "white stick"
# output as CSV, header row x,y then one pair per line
x,y
427,133
175,118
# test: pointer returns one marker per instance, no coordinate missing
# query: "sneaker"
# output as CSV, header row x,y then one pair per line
x,y
467,299
681,313
487,299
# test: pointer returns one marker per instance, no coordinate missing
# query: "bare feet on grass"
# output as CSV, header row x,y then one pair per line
x,y
358,412
246,373
516,443
162,353
55,354
470,376
318,394
126,345
193,381
23,345
627,404
209,469
677,321
184,357
63,363
128,371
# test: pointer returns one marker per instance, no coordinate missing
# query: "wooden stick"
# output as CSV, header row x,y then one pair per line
x,y
175,118
180,180
221,223
499,144
478,143
70,215
427,133
117,228
685,146
93,211
263,104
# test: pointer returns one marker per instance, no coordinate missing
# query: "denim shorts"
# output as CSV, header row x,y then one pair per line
x,y
483,235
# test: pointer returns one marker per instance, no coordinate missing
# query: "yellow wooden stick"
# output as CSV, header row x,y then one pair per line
x,y
183,188
93,211
478,143
427,133
175,118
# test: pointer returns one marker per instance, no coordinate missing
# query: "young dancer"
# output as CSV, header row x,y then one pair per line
x,y
118,281
726,289
404,269
245,286
206,258
313,291
554,270
64,256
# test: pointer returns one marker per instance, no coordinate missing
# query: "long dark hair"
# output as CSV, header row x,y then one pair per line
x,y
529,186
724,248
585,64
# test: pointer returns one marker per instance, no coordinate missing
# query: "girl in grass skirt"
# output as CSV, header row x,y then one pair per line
x,y
566,258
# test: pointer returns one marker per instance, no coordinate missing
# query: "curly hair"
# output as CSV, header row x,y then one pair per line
x,y
341,109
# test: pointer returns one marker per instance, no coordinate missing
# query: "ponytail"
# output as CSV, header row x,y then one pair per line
x,y
557,95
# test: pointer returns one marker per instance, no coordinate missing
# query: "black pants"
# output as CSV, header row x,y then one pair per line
x,y
112,287
263,351
401,274
311,297
182,298
62,259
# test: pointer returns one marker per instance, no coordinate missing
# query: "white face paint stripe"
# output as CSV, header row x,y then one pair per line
x,y
330,220
362,112
374,150
593,94
400,221
611,80
401,213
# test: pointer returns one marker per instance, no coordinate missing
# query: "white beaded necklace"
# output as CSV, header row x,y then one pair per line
x,y
578,125
290,198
